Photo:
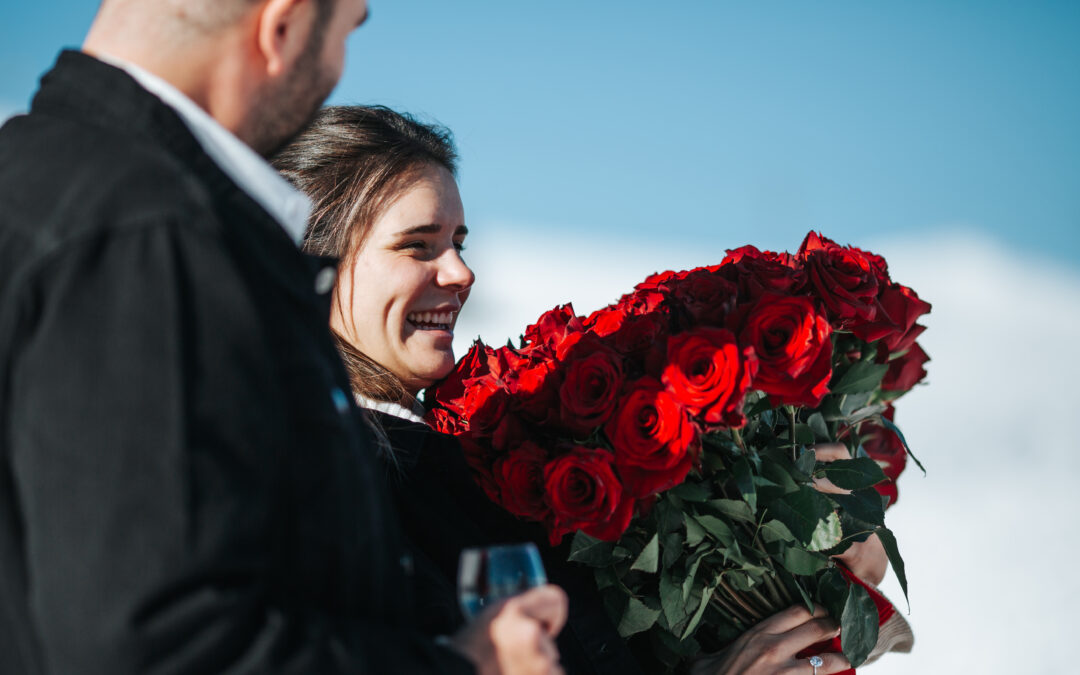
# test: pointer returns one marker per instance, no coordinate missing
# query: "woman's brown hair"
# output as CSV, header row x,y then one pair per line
x,y
353,161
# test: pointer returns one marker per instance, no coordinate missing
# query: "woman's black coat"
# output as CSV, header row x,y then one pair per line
x,y
443,511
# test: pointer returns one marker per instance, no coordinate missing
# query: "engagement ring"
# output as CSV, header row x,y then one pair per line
x,y
816,662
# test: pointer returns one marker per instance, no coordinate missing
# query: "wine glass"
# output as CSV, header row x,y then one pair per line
x,y
489,574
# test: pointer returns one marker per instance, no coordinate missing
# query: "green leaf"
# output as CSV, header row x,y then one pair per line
x,y
864,505
849,403
691,492
862,376
806,462
668,518
832,592
691,574
696,619
804,435
778,474
865,413
802,511
792,582
830,407
717,528
734,509
827,534
774,530
694,531
888,424
858,626
759,405
672,599
817,424
854,474
605,577
744,480
648,559
888,540
637,617
798,561
590,551
672,547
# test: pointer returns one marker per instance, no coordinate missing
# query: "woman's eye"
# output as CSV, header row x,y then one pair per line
x,y
459,245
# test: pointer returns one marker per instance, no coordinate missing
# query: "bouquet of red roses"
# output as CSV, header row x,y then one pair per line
x,y
672,434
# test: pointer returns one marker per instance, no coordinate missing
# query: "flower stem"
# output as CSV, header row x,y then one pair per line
x,y
738,599
791,416
737,437
732,612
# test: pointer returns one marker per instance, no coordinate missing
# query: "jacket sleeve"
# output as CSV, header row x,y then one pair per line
x,y
145,436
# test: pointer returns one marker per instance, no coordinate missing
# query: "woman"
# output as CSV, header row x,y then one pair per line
x,y
386,203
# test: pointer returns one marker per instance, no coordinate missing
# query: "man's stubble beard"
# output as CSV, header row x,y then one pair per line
x,y
281,112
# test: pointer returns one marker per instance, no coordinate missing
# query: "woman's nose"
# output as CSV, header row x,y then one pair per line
x,y
453,272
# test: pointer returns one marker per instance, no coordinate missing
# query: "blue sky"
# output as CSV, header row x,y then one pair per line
x,y
719,123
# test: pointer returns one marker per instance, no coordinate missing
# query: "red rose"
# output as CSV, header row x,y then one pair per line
x,y
906,371
659,280
905,307
585,494
792,342
520,477
644,301
479,457
533,388
710,374
474,364
552,327
590,388
844,278
707,297
604,322
484,403
884,447
653,438
508,433
755,272
628,333
445,422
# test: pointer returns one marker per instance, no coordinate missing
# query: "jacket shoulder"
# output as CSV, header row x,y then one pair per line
x,y
62,179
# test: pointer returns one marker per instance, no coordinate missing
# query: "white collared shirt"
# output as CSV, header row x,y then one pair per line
x,y
253,174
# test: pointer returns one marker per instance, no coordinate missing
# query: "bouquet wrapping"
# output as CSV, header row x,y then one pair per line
x,y
672,435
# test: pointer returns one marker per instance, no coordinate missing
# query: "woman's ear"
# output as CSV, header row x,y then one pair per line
x,y
283,30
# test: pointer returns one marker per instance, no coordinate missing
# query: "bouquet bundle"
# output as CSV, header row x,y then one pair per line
x,y
672,434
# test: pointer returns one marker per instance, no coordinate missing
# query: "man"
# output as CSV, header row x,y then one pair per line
x,y
182,488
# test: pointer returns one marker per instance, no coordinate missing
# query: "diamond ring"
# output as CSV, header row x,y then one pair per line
x,y
816,662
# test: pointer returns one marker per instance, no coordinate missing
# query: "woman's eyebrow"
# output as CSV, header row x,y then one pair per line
x,y
421,229
461,231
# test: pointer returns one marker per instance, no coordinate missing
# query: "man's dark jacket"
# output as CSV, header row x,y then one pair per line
x,y
183,488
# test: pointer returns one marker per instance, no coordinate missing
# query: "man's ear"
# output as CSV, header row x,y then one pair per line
x,y
283,29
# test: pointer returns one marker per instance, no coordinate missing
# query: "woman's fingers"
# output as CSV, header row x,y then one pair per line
x,y
809,633
547,604
830,452
792,617
830,663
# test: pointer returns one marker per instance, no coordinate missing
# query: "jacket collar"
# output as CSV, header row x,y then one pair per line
x,y
244,166
91,92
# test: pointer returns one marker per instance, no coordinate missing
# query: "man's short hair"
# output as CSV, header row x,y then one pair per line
x,y
208,16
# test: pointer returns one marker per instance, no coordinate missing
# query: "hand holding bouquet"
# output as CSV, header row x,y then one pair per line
x,y
672,434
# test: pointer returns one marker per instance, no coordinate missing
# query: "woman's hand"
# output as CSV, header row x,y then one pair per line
x,y
867,559
516,636
769,648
